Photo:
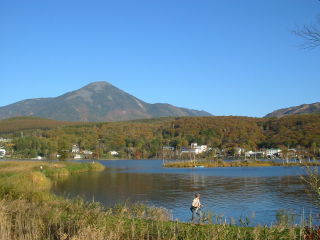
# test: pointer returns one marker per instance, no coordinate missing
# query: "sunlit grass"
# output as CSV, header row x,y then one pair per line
x,y
31,178
29,211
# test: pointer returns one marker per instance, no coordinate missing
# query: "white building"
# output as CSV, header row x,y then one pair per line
x,y
203,148
2,152
249,153
87,152
194,149
254,154
188,150
272,152
77,156
114,153
75,149
167,148
194,145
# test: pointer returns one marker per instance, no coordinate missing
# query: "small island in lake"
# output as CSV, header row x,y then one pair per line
x,y
236,163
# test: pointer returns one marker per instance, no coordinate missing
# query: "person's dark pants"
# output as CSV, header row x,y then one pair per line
x,y
196,215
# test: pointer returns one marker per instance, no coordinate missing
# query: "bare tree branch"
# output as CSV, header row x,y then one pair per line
x,y
310,34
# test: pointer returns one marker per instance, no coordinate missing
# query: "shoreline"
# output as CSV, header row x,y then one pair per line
x,y
169,163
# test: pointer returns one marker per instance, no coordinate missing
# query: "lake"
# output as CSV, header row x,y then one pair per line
x,y
233,192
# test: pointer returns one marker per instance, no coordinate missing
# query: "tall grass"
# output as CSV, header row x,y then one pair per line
x,y
22,219
29,211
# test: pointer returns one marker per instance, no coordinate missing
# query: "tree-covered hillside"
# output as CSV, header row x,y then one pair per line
x,y
25,123
145,138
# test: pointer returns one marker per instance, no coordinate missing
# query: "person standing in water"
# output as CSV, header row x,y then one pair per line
x,y
195,208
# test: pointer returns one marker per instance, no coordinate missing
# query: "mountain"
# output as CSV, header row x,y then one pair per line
x,y
302,109
96,102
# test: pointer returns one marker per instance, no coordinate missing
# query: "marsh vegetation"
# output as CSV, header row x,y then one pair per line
x,y
236,163
29,211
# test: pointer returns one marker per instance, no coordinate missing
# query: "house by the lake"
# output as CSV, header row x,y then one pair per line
x,y
194,148
75,149
2,152
114,153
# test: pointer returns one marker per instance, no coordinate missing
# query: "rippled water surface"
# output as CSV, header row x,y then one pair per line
x,y
255,192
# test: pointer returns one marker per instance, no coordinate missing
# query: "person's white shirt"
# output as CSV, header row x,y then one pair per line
x,y
196,203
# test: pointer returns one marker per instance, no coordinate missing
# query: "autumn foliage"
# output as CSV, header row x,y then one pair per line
x,y
145,138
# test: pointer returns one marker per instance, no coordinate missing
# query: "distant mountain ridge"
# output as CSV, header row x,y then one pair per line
x,y
95,102
302,109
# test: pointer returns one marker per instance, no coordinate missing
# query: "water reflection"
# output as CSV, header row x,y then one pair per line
x,y
233,192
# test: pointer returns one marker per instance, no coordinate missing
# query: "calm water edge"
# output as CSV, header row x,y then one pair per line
x,y
233,192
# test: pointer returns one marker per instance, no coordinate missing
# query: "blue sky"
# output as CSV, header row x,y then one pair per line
x,y
226,57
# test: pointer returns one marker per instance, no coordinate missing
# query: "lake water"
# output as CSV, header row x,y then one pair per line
x,y
254,192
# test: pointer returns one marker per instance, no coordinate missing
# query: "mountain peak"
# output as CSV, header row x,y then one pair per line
x,y
97,101
97,85
302,109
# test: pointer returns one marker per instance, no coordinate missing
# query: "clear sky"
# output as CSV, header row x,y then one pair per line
x,y
228,57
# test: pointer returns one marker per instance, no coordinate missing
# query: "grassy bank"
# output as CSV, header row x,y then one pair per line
x,y
30,179
29,211
220,163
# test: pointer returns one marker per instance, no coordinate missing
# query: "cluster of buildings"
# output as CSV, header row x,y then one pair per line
x,y
267,153
5,140
271,153
262,153
237,152
78,154
75,151
2,152
194,149
2,149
